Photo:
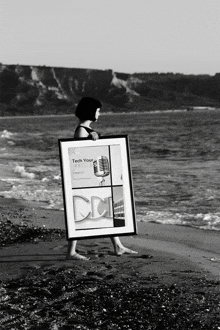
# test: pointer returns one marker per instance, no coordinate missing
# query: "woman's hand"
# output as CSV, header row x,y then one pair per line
x,y
94,136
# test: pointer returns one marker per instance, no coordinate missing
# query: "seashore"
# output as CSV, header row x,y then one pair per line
x,y
172,283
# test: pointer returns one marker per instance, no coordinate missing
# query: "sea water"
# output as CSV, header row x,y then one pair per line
x,y
174,158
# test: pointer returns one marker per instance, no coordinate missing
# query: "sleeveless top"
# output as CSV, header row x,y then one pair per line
x,y
88,130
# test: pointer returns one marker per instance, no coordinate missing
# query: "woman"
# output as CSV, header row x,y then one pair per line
x,y
88,111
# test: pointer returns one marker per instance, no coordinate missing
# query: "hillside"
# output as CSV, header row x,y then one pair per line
x,y
54,90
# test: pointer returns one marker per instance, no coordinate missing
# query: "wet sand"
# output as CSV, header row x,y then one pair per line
x,y
168,256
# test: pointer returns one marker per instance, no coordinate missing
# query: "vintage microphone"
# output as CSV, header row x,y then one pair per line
x,y
101,168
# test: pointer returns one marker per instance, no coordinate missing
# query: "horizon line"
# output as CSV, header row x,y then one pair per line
x,y
116,71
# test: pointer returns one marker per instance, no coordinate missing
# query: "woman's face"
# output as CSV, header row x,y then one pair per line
x,y
97,114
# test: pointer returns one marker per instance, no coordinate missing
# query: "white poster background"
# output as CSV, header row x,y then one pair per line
x,y
82,165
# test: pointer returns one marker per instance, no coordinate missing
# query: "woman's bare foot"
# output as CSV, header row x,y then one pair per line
x,y
124,250
71,252
119,248
76,256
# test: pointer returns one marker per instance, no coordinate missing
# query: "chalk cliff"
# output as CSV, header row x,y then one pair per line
x,y
68,84
42,89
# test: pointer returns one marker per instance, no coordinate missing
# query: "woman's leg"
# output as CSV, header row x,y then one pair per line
x,y
71,252
119,248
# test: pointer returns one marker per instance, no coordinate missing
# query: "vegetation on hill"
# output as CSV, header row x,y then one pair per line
x,y
26,90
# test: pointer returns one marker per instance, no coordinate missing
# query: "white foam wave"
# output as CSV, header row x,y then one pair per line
x,y
23,173
45,179
51,178
6,134
52,198
57,177
207,221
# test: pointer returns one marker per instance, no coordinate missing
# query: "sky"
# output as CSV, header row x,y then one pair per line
x,y
179,36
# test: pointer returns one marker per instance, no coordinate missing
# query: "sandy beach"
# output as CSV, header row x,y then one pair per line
x,y
168,257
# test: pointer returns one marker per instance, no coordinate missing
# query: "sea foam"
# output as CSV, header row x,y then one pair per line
x,y
6,134
207,221
23,173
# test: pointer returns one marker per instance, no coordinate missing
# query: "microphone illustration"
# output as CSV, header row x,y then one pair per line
x,y
101,168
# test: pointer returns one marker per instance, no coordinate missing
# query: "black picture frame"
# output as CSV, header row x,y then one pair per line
x,y
97,187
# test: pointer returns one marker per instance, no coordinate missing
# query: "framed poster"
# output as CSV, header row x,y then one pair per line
x,y
97,187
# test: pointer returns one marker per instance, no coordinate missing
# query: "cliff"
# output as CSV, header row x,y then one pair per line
x,y
41,89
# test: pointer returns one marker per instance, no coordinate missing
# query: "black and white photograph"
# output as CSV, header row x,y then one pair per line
x,y
110,164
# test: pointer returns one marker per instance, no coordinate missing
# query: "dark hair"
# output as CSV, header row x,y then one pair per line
x,y
86,108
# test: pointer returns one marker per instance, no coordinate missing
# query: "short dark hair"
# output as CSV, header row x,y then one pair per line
x,y
86,108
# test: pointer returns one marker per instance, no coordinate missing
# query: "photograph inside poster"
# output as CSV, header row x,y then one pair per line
x,y
97,186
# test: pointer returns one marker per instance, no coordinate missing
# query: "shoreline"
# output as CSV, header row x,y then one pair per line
x,y
172,283
190,247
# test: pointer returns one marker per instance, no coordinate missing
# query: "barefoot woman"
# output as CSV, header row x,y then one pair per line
x,y
88,111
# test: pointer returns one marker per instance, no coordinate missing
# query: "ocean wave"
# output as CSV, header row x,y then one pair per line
x,y
41,168
207,221
51,198
23,173
7,135
39,183
47,192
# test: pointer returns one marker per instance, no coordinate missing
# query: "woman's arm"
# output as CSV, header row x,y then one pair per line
x,y
94,136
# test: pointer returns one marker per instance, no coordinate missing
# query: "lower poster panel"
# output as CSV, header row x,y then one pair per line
x,y
98,208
